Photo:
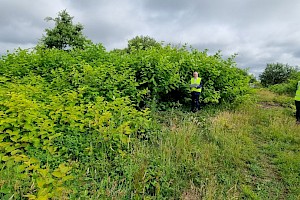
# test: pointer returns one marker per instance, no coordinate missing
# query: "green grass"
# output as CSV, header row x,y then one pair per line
x,y
250,152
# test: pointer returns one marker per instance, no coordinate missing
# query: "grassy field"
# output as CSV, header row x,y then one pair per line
x,y
251,151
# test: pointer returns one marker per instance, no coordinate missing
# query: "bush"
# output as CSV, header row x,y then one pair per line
x,y
42,130
276,73
153,76
288,88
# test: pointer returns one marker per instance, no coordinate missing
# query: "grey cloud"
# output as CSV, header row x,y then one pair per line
x,y
22,22
297,53
259,31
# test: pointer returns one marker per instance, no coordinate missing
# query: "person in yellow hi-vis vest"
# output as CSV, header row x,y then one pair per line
x,y
196,88
297,102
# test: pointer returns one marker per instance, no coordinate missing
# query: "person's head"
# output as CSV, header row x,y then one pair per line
x,y
195,74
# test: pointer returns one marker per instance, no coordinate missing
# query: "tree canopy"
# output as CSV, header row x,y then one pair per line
x,y
65,34
276,73
142,43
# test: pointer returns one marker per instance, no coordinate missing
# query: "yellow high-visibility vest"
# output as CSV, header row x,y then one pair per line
x,y
297,97
196,82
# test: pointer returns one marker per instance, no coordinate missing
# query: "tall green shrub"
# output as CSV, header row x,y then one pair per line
x,y
276,73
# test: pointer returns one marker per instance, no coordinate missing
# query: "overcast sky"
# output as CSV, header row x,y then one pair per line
x,y
260,31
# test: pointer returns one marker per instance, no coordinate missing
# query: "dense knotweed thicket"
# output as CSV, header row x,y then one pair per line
x,y
156,75
65,109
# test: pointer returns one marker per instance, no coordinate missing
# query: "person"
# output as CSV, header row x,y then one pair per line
x,y
297,103
196,88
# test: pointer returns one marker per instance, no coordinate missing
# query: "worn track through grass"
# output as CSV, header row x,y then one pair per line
x,y
250,152
267,130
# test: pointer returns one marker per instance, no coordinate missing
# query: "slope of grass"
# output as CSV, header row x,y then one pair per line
x,y
252,152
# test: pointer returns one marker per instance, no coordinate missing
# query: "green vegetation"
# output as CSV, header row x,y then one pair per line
x,y
91,124
71,121
65,34
280,78
156,76
288,87
277,73
142,43
76,124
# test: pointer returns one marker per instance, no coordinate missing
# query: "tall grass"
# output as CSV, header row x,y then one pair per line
x,y
251,152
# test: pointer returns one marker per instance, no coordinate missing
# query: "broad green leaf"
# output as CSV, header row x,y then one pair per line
x,y
19,158
33,167
15,152
10,149
5,158
21,168
2,136
5,144
64,169
43,194
43,172
58,174
40,182
54,136
69,177
15,138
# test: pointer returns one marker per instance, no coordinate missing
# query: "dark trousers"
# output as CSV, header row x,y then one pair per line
x,y
297,110
195,101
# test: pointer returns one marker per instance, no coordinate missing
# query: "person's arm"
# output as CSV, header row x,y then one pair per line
x,y
200,85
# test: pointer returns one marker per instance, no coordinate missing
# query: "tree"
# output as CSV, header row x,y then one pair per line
x,y
142,43
252,78
276,73
65,34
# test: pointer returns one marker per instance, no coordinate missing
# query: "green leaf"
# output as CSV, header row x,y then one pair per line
x,y
10,149
21,168
58,174
5,158
64,169
2,136
43,194
14,152
43,172
15,138
5,144
124,139
40,182
69,177
54,136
